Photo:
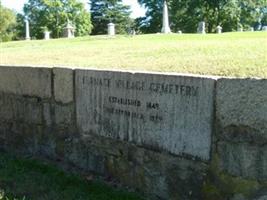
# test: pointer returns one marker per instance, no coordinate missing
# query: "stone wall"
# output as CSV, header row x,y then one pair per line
x,y
169,136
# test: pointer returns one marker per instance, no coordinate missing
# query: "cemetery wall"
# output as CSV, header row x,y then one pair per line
x,y
169,136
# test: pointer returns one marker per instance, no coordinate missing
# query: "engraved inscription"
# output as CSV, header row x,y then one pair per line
x,y
103,82
155,117
151,105
124,101
130,85
164,112
160,88
125,113
182,90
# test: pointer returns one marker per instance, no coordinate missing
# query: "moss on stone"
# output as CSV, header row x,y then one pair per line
x,y
220,185
211,192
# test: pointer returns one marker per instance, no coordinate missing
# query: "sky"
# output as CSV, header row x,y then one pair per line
x,y
18,5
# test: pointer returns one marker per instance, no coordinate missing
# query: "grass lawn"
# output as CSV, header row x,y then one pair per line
x,y
229,54
23,179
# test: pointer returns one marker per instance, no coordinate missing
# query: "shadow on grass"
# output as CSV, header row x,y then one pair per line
x,y
25,179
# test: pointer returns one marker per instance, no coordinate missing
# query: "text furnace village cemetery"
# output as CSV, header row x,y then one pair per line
x,y
96,104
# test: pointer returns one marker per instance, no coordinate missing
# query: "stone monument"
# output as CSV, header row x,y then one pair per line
x,y
218,29
27,26
165,21
201,27
47,35
239,28
111,29
69,31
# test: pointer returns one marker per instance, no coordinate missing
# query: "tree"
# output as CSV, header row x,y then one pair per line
x,y
185,14
106,11
7,23
252,12
153,21
53,16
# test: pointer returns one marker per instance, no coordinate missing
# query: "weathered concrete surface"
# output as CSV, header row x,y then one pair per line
x,y
26,81
143,129
159,175
24,109
63,85
173,113
242,103
244,159
241,120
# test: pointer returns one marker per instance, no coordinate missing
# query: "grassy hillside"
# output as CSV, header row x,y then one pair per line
x,y
229,54
24,179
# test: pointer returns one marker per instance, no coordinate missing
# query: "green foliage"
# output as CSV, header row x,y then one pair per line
x,y
153,21
185,14
106,11
7,23
25,179
53,16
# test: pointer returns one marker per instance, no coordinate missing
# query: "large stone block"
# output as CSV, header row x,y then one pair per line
x,y
242,159
159,175
63,85
162,112
64,115
24,109
26,81
241,119
242,103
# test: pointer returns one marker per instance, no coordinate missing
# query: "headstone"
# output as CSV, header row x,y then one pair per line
x,y
27,26
264,28
165,21
111,29
201,27
218,29
179,32
164,112
69,31
239,28
258,26
251,29
47,35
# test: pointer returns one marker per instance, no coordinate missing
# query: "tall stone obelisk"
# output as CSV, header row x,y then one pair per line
x,y
165,20
27,26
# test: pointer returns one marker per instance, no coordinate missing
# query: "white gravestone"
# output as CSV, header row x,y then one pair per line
x,y
47,35
239,28
201,27
165,112
69,31
165,19
27,26
219,29
111,29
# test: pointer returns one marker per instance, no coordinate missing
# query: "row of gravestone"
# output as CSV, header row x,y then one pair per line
x,y
202,27
69,30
